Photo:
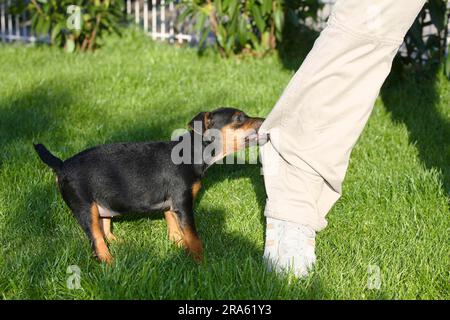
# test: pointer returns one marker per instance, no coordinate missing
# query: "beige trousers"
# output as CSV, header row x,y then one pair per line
x,y
323,110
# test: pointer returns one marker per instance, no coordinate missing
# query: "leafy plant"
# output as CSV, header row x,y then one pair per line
x,y
424,49
73,24
300,10
252,26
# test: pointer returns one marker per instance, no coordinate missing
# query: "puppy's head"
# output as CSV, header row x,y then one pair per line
x,y
233,127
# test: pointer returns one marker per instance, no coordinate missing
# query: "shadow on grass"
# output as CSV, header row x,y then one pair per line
x,y
413,99
35,245
36,111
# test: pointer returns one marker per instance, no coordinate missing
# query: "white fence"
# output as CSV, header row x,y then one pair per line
x,y
14,28
159,20
157,17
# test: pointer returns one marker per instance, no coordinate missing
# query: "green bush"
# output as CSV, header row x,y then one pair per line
x,y
422,50
246,26
74,24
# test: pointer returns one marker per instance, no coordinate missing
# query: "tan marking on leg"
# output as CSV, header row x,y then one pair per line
x,y
184,237
101,250
194,245
173,228
106,228
196,188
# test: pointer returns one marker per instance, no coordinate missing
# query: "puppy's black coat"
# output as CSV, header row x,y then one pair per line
x,y
140,177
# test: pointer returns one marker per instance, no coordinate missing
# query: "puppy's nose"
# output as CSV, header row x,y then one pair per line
x,y
257,123
263,138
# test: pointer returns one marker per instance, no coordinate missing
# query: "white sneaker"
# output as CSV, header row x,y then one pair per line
x,y
289,247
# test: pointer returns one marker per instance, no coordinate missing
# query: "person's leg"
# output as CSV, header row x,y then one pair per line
x,y
321,114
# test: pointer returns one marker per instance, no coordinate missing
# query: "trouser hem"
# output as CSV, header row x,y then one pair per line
x,y
295,215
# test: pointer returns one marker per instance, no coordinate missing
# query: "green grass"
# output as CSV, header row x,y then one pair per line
x,y
394,212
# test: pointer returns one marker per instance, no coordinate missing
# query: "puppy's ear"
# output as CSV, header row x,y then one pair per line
x,y
204,118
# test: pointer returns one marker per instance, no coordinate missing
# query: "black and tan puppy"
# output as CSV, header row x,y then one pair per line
x,y
122,178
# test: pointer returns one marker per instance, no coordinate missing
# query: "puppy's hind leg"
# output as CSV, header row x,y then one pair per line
x,y
89,220
87,214
99,245
192,242
185,222
106,228
173,228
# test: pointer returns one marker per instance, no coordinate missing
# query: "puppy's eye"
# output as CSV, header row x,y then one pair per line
x,y
240,117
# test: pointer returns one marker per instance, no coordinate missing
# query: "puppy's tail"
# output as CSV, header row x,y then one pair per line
x,y
48,158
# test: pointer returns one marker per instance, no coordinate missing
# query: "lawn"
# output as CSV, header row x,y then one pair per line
x,y
394,214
